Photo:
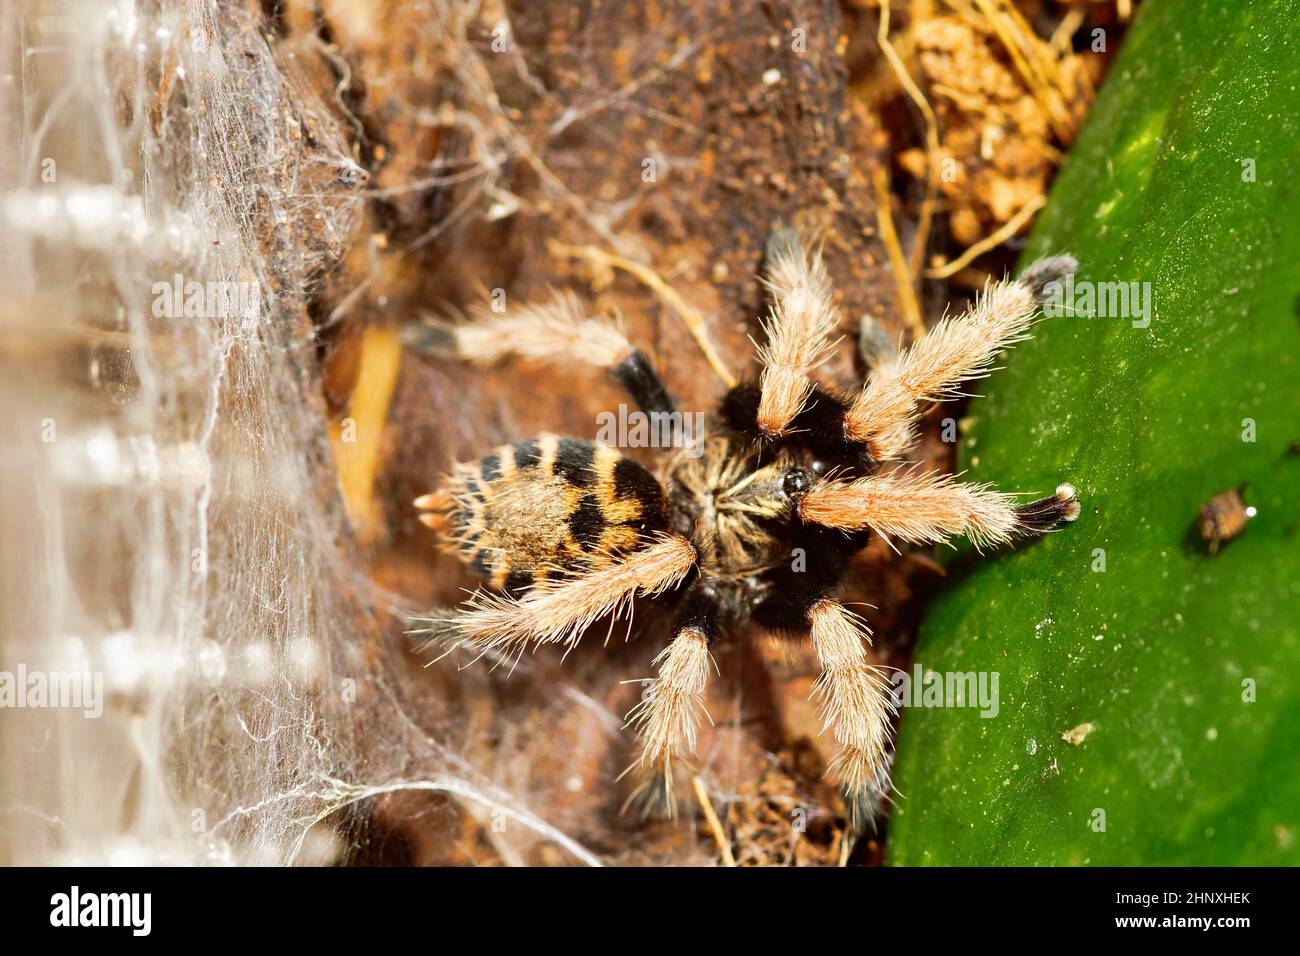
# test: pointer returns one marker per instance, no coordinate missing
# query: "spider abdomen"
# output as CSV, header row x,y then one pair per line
x,y
547,507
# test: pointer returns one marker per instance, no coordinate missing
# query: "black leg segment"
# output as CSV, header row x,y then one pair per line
x,y
638,376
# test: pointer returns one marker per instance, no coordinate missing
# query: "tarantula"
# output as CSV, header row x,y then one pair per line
x,y
755,521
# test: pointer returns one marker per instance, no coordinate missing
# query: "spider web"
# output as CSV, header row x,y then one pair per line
x,y
170,516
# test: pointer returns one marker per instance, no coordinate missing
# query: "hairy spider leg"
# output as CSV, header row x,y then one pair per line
x,y
852,695
931,508
855,705
798,328
668,714
882,416
558,331
560,610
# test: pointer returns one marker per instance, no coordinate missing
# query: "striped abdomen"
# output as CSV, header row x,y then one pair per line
x,y
544,507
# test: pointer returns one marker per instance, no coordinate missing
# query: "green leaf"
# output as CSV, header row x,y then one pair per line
x,y
1186,178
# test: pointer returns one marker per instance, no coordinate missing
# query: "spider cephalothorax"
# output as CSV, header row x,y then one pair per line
x,y
750,527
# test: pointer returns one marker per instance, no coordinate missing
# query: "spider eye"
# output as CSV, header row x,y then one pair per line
x,y
797,482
